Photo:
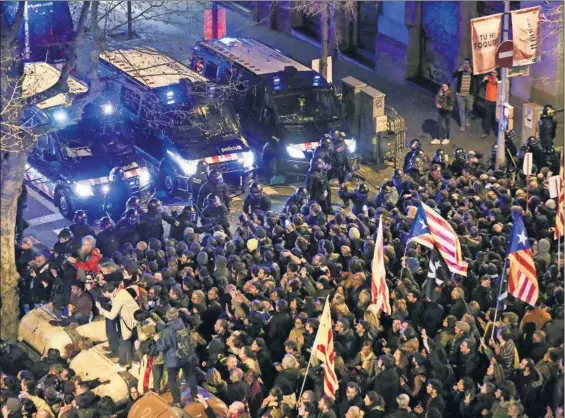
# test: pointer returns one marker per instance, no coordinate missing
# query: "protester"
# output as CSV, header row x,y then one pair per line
x,y
238,308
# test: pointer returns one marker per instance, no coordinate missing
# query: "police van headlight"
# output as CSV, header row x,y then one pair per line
x,y
105,189
187,167
83,190
351,145
295,152
248,159
144,178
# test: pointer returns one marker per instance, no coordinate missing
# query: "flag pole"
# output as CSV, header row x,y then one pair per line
x,y
402,264
498,296
310,360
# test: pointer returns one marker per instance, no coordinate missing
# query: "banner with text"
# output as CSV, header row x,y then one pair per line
x,y
485,38
526,35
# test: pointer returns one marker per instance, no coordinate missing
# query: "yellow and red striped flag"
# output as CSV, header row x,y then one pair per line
x,y
560,216
324,351
379,290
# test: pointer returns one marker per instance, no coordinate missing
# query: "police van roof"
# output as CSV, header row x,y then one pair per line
x,y
40,76
150,67
253,55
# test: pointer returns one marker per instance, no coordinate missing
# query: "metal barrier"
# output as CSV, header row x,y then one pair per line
x,y
397,135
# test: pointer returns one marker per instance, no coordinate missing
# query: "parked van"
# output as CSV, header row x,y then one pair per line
x,y
285,107
178,118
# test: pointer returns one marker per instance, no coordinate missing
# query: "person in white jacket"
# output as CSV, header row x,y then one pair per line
x,y
124,306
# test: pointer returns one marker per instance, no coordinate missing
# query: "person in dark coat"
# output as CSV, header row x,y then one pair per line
x,y
352,398
387,382
318,185
167,344
256,200
80,227
458,308
279,327
107,240
151,222
215,184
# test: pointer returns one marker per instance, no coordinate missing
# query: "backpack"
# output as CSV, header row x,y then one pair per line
x,y
185,348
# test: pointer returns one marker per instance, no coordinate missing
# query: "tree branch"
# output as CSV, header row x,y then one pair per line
x,y
10,32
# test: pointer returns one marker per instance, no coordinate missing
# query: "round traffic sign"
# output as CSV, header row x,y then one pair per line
x,y
505,54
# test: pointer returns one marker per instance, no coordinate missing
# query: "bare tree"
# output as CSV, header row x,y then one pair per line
x,y
96,22
326,11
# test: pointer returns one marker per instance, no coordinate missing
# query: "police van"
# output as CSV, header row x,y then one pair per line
x,y
71,162
285,107
180,118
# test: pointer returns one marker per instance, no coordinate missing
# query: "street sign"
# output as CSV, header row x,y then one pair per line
x,y
505,54
528,164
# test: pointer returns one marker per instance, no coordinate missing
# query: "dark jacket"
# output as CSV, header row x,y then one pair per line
x,y
107,242
262,203
221,189
168,344
151,226
387,384
345,404
237,391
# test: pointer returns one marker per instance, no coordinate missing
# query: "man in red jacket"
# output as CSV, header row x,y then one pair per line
x,y
89,257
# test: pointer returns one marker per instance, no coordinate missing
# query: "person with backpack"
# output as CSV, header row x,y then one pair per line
x,y
174,341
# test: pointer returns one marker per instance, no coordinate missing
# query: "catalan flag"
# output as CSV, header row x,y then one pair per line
x,y
522,280
379,290
323,350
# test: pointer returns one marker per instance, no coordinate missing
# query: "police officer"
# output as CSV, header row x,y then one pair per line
x,y
256,199
417,165
492,156
118,194
132,202
509,144
459,162
325,152
441,157
128,228
552,159
318,185
216,213
524,149
360,197
198,179
214,185
299,198
80,227
387,193
151,222
537,151
341,166
415,145
402,183
547,126
107,240
188,218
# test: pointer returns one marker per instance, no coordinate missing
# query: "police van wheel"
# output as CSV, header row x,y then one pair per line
x,y
64,204
169,184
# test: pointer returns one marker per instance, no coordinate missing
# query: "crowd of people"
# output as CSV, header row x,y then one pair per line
x,y
237,309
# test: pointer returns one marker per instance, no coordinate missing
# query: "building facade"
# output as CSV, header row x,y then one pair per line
x,y
424,41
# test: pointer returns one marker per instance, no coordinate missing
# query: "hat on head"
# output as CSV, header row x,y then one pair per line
x,y
354,233
413,264
261,234
252,244
463,326
13,405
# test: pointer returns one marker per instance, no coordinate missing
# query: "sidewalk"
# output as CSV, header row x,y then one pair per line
x,y
410,100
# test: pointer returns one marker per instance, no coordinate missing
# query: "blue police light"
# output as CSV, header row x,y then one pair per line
x,y
170,94
316,80
60,116
277,83
107,109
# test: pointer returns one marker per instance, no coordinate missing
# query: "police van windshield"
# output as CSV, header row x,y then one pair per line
x,y
198,121
316,105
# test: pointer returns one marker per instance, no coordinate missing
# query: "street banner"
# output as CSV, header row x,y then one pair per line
x,y
526,35
528,164
485,38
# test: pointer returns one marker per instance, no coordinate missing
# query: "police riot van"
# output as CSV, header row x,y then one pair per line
x,y
285,106
71,162
180,118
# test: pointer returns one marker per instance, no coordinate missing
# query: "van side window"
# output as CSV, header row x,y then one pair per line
x,y
211,70
130,100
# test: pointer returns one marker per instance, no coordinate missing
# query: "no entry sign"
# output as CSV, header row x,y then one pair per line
x,y
505,54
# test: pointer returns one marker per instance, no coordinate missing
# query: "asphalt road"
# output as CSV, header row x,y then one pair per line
x,y
46,221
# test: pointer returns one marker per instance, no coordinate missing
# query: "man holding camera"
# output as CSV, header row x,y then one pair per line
x,y
464,91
